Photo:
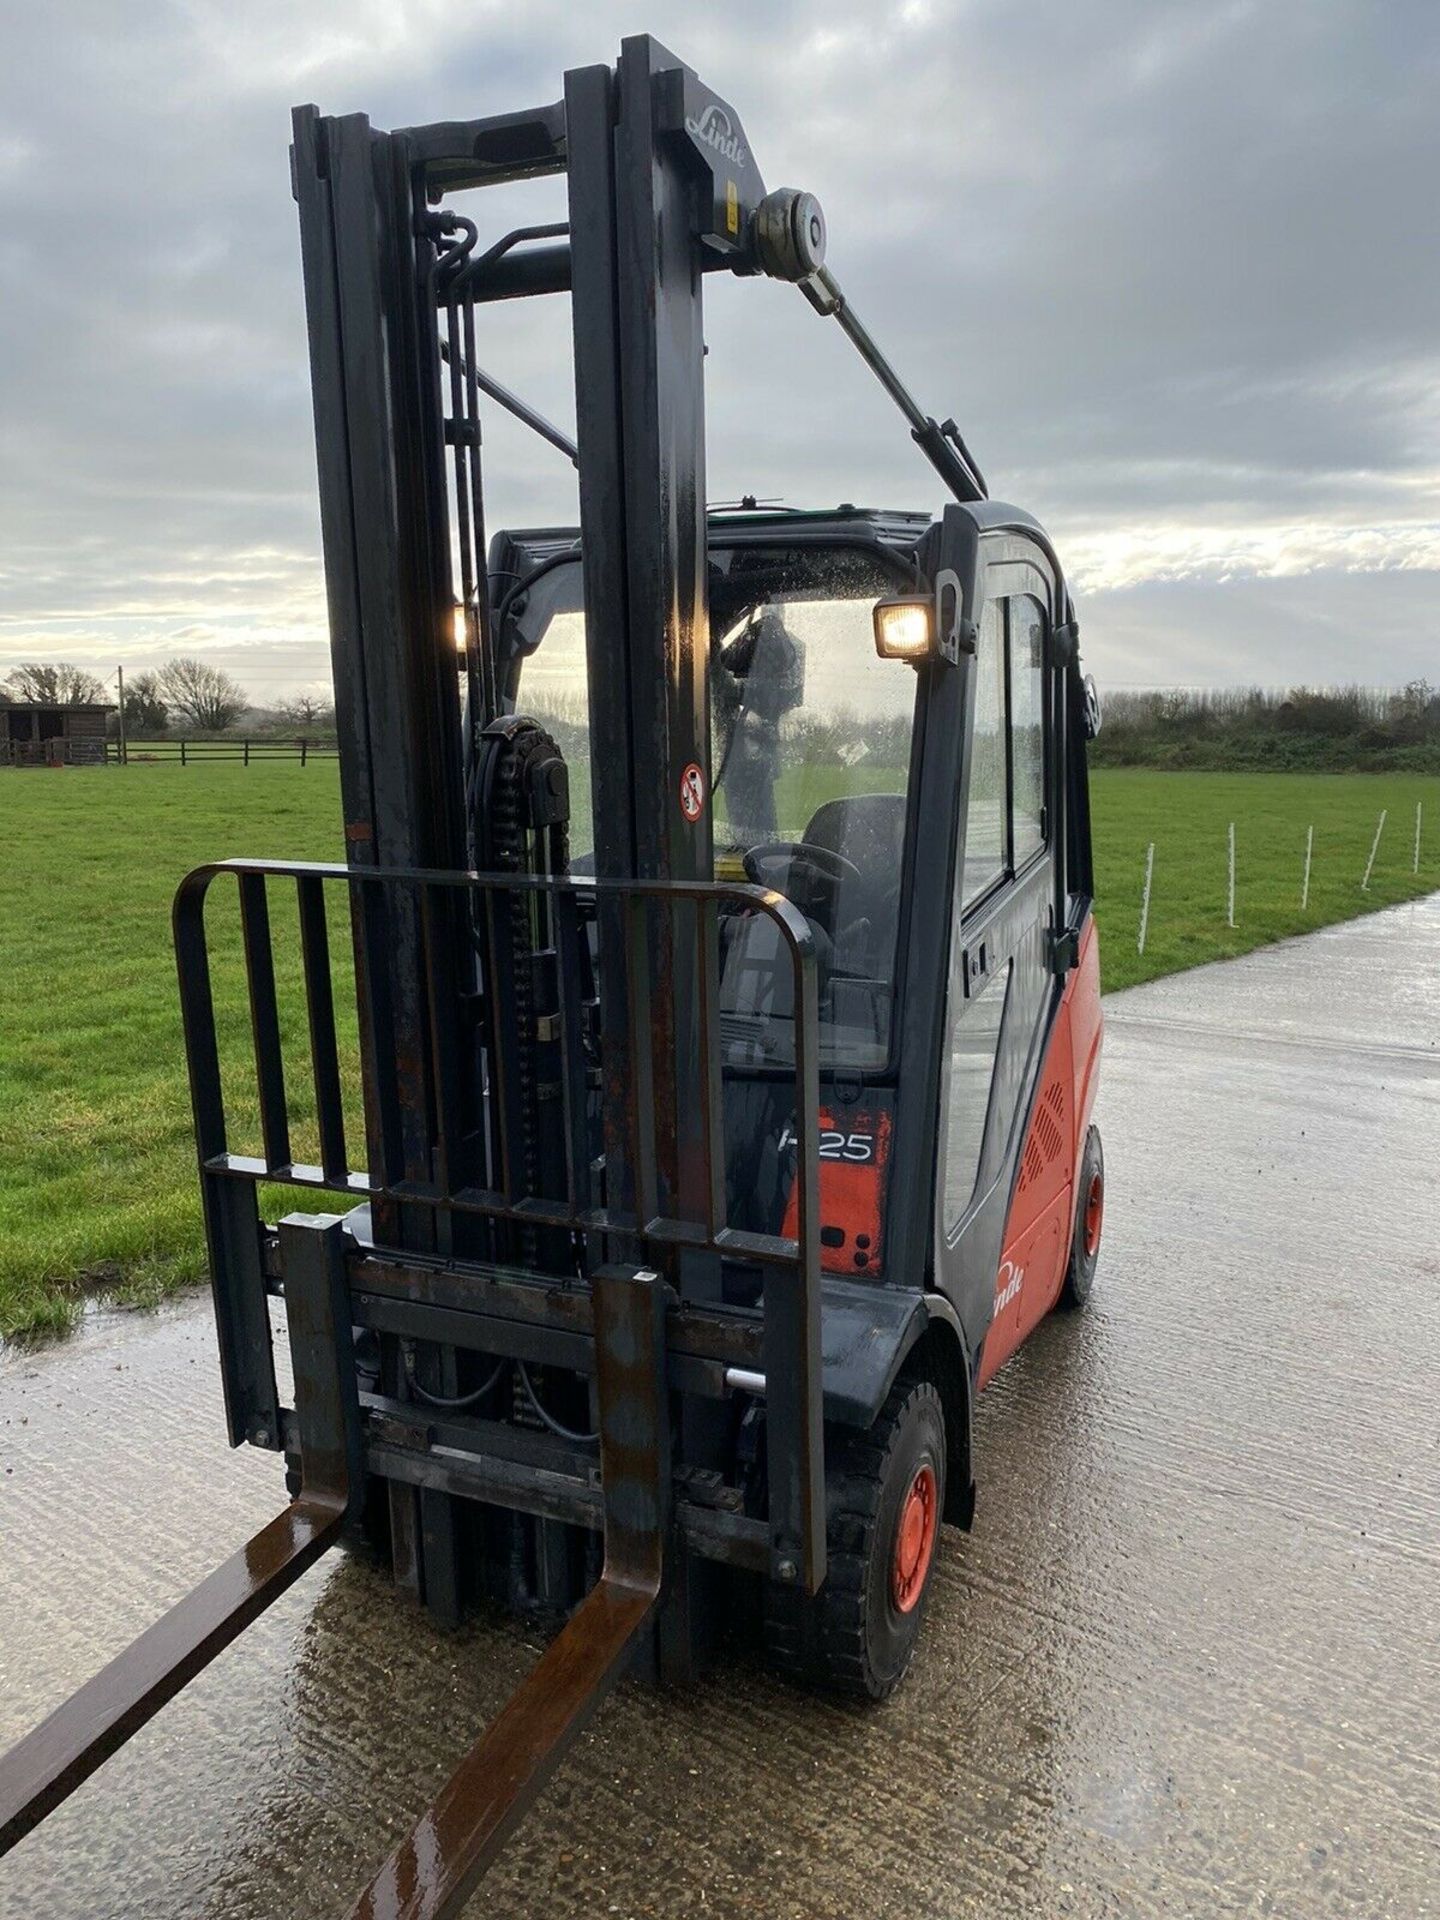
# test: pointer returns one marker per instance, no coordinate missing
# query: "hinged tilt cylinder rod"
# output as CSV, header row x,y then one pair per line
x,y
789,242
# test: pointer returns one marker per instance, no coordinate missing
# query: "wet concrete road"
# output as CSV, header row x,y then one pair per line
x,y
1188,1663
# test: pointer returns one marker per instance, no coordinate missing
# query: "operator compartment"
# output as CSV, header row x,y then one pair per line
x,y
812,745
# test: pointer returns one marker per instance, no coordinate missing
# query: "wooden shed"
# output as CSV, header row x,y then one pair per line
x,y
37,733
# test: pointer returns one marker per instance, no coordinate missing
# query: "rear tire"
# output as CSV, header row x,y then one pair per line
x,y
884,1495
1089,1222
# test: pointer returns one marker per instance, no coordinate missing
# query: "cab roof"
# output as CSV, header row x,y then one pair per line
x,y
887,527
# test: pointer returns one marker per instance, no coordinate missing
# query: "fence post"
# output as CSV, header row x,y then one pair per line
x,y
1145,897
247,753
1305,884
182,753
1374,849
1230,897
304,743
1415,863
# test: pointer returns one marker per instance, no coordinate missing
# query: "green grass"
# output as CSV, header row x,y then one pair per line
x,y
97,1168
1187,816
97,1172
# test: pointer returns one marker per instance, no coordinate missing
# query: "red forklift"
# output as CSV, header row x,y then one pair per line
x,y
726,983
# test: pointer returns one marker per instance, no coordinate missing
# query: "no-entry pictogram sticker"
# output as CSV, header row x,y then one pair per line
x,y
692,792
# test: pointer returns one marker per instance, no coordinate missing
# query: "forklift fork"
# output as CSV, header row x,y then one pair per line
x,y
49,1763
431,1873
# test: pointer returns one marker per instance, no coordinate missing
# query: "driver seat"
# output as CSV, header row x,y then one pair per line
x,y
868,830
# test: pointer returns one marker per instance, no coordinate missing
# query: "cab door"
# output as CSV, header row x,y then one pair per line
x,y
1002,987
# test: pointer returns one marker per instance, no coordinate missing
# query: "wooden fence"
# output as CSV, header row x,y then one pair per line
x,y
55,752
191,753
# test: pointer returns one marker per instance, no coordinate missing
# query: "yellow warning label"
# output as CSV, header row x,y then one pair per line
x,y
732,206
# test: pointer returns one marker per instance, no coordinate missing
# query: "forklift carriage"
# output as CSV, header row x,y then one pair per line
x,y
725,980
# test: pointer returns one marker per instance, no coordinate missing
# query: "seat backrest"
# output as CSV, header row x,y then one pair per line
x,y
867,829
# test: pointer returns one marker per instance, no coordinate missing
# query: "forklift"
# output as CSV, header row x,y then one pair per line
x,y
718,891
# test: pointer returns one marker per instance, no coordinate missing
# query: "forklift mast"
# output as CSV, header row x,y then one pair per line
x,y
662,187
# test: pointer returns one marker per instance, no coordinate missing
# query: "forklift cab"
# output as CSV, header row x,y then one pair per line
x,y
929,816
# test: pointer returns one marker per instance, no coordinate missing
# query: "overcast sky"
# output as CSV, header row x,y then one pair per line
x,y
1172,264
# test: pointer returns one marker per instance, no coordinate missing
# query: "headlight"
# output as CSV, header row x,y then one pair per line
x,y
905,628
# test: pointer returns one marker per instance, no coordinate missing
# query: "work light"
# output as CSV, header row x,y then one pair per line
x,y
905,627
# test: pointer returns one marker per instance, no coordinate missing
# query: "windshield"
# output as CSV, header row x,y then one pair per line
x,y
810,759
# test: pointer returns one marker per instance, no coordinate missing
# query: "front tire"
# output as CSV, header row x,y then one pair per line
x,y
884,1493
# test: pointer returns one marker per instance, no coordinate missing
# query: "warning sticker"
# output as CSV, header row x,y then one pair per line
x,y
692,792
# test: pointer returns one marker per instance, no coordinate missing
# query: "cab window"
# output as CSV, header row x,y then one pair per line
x,y
1005,812
974,1043
1025,631
811,740
985,811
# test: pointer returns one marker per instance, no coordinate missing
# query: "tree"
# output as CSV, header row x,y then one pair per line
x,y
200,694
308,711
145,708
54,683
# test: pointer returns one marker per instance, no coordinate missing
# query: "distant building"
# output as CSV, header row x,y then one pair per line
x,y
35,733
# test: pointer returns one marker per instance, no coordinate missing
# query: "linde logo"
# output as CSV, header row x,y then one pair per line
x,y
715,129
1008,1283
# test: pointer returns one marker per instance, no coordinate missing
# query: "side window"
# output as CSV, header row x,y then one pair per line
x,y
974,1042
1026,626
1005,821
985,814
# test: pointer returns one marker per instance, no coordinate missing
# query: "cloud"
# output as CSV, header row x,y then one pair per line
x,y
1173,264
1172,553
1318,629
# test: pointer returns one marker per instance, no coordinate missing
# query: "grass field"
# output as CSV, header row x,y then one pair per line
x,y
1187,816
97,1181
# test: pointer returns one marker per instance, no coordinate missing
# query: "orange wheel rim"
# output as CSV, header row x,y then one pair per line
x,y
1094,1212
915,1540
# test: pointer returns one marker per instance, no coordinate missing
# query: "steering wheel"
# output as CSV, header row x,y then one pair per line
x,y
828,867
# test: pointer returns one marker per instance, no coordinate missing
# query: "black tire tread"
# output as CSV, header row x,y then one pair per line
x,y
1076,1291
822,1640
